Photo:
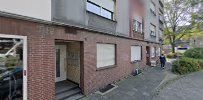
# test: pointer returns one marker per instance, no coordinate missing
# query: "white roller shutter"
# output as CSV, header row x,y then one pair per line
x,y
105,55
136,53
153,52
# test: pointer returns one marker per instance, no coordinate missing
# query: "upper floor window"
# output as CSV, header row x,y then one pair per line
x,y
137,26
152,30
104,8
93,8
153,8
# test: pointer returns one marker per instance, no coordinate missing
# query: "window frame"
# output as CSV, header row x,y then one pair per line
x,y
115,56
137,26
154,5
134,60
152,33
100,8
153,52
25,62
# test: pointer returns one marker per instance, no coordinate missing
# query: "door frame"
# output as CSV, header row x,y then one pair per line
x,y
25,72
64,64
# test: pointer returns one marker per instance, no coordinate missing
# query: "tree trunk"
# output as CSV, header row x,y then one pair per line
x,y
173,47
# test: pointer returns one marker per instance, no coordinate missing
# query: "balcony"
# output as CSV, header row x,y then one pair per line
x,y
161,3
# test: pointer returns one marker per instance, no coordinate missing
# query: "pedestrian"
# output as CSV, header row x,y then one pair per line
x,y
162,60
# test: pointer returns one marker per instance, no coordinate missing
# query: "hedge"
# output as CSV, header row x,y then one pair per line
x,y
185,66
196,53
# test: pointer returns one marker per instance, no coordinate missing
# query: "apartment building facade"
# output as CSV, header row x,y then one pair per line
x,y
91,43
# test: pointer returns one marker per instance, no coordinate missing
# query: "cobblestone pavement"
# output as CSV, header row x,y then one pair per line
x,y
139,87
189,87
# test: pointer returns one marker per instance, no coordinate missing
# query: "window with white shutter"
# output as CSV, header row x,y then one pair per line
x,y
136,53
106,55
153,52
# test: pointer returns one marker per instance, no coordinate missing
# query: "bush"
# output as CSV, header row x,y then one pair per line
x,y
185,66
200,63
196,53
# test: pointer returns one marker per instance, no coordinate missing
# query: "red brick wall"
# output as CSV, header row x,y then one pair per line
x,y
41,56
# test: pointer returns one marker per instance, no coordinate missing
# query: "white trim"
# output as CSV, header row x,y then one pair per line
x,y
24,60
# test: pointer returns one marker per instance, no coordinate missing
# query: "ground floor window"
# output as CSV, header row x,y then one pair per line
x,y
153,52
12,62
106,55
136,53
158,51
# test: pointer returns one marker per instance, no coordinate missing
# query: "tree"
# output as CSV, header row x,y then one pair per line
x,y
177,20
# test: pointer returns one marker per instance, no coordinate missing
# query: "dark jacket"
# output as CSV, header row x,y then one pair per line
x,y
162,59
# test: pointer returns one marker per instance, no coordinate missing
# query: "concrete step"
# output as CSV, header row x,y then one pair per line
x,y
71,93
75,97
65,89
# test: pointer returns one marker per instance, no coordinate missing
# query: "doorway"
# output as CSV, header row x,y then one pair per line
x,y
61,69
68,61
68,69
148,55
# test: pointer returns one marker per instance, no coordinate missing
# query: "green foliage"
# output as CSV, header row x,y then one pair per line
x,y
200,63
196,53
185,66
11,61
174,55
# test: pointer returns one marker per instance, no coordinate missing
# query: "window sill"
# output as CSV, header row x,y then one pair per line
x,y
106,67
153,36
101,16
136,61
137,32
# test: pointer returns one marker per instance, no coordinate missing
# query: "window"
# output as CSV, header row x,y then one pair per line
x,y
153,8
158,51
137,26
153,30
93,8
153,52
160,33
106,55
106,14
136,53
104,8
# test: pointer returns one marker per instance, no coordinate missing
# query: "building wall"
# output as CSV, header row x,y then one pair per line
x,y
41,56
40,9
137,9
154,19
122,17
74,12
69,11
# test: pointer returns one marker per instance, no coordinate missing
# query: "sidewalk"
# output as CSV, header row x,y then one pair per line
x,y
189,87
141,87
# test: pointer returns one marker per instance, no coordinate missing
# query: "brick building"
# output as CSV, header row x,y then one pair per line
x,y
89,43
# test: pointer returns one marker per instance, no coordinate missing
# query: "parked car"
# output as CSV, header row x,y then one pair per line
x,y
11,83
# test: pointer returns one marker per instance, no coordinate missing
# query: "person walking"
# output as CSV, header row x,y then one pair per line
x,y
162,60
